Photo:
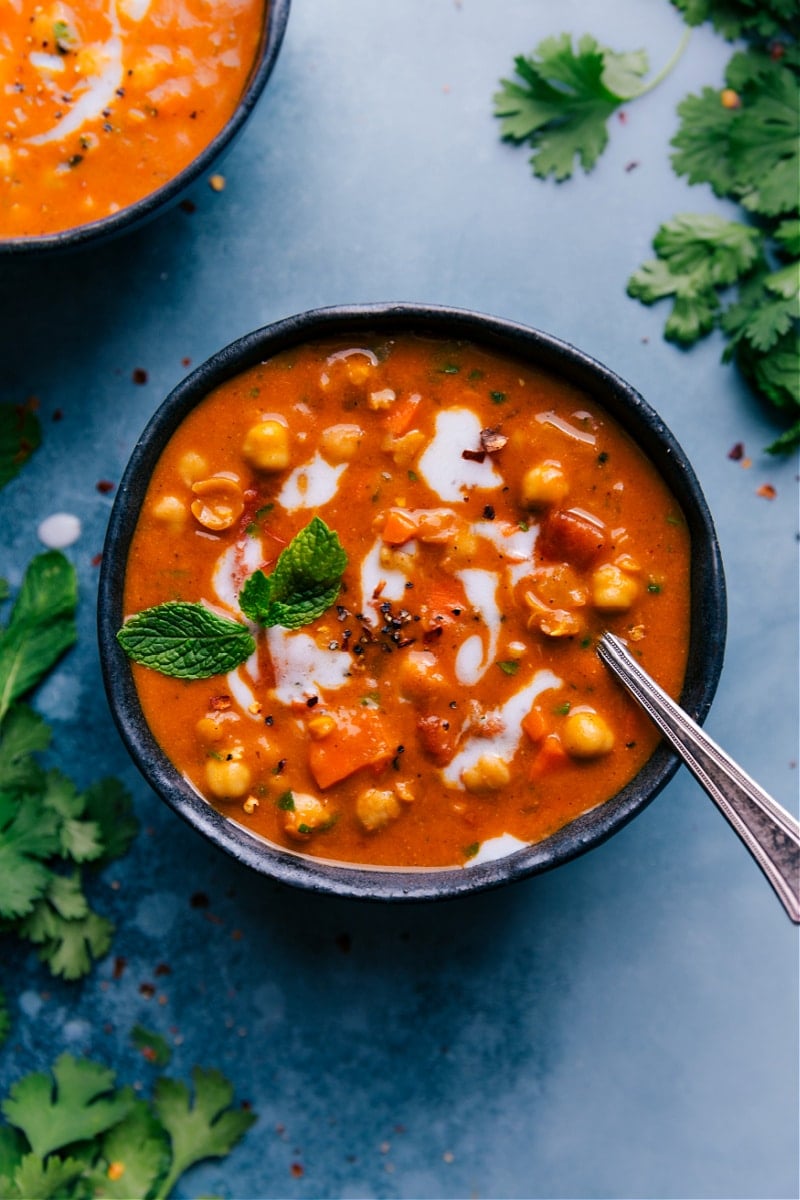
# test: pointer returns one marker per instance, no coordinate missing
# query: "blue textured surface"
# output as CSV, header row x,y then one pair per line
x,y
626,1026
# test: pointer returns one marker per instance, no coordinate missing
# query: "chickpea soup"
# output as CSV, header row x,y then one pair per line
x,y
103,102
411,546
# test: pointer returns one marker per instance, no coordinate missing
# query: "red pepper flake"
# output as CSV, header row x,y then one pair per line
x,y
213,918
58,414
220,703
96,560
767,491
297,1170
188,206
186,362
120,963
236,935
104,486
622,116
474,455
736,453
147,990
631,166
149,1053
139,375
163,969
199,900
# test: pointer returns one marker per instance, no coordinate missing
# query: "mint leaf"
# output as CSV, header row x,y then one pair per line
x,y
20,435
187,641
41,627
305,582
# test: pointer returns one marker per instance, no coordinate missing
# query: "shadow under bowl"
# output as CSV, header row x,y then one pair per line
x,y
132,216
708,603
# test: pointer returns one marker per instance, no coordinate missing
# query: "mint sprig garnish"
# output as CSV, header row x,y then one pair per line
x,y
305,582
187,640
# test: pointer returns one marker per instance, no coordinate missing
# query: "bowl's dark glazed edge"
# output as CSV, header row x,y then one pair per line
x,y
707,636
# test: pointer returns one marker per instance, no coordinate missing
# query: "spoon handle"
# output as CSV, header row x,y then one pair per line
x,y
768,831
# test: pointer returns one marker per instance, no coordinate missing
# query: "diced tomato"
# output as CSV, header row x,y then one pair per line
x,y
437,737
568,536
360,739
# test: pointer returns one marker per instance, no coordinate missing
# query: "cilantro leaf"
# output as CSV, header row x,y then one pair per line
x,y
697,255
305,582
20,435
108,803
565,99
184,640
41,627
134,1156
37,1179
68,934
75,1105
207,1129
740,18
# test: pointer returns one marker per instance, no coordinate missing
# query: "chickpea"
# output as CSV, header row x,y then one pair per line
x,y
307,815
320,727
340,443
219,502
488,774
171,511
406,448
613,590
375,808
209,730
544,485
266,445
228,778
192,466
417,676
586,734
380,401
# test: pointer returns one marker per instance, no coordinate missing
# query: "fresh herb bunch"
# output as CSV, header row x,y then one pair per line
x,y
742,277
49,830
743,140
189,641
76,1135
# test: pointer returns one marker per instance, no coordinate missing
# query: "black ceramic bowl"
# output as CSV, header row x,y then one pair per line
x,y
708,610
143,210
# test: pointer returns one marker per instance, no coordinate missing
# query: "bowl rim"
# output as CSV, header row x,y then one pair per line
x,y
132,216
708,599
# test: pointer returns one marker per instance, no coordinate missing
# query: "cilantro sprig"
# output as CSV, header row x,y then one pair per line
x,y
188,641
75,1133
50,831
563,97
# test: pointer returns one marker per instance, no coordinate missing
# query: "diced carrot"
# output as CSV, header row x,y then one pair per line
x,y
534,725
360,739
551,756
399,528
400,416
443,597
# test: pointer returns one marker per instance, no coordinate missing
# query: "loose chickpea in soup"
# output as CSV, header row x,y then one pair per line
x,y
491,522
104,101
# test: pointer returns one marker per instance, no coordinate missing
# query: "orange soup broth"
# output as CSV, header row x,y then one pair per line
x,y
417,721
103,102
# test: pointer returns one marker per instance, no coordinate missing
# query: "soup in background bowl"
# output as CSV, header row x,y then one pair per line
x,y
109,111
352,588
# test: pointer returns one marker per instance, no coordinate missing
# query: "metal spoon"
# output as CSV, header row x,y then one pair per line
x,y
769,832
